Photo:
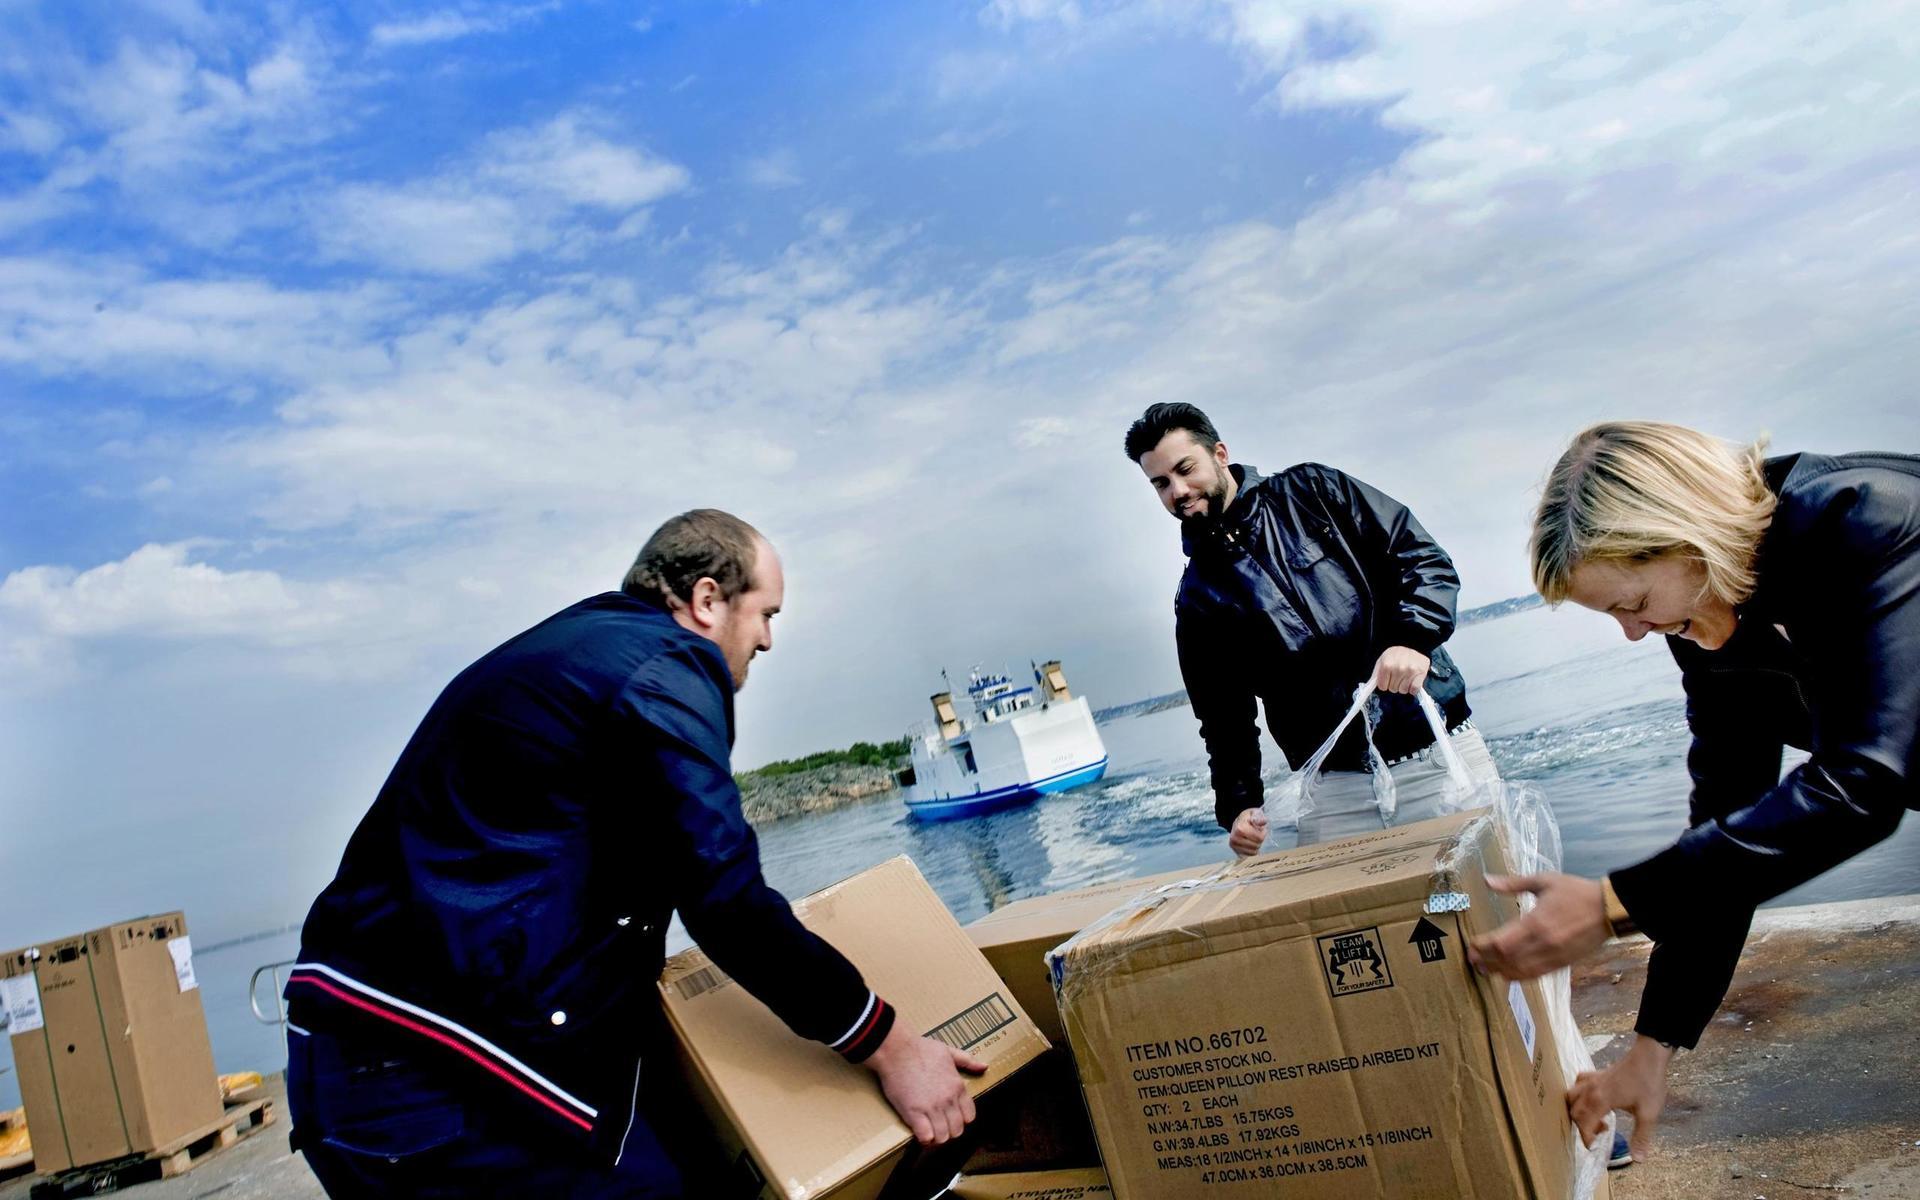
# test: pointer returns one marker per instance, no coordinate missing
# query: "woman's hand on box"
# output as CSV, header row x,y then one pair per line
x,y
1568,921
921,1078
1636,1085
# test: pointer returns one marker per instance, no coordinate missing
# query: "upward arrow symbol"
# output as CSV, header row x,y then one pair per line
x,y
1427,935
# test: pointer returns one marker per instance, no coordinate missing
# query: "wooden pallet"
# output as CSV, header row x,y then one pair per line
x,y
14,1164
164,1162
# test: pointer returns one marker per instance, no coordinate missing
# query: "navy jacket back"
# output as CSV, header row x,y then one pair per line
x,y
514,878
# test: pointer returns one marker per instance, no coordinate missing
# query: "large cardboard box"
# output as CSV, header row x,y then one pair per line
x,y
110,1042
791,1113
1087,1184
1310,1027
1016,937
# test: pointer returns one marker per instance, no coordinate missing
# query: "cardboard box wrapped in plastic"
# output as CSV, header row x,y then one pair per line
x,y
1306,1024
796,1120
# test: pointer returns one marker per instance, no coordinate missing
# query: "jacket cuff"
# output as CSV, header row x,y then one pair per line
x,y
866,1034
1226,808
1668,1031
1643,890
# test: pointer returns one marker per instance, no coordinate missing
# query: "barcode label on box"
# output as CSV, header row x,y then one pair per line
x,y
182,950
1522,1015
21,998
976,1024
700,982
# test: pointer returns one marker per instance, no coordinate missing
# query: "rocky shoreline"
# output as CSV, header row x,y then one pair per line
x,y
768,798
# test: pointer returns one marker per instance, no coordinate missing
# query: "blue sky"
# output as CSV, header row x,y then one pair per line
x,y
339,343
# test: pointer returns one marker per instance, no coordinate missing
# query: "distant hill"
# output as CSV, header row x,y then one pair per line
x,y
1139,708
1501,608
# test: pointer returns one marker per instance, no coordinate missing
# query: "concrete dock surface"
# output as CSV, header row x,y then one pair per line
x,y
1808,1084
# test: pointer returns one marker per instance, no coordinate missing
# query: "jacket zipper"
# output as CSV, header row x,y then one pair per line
x,y
633,1112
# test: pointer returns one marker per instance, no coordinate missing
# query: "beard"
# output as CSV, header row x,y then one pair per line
x,y
1212,504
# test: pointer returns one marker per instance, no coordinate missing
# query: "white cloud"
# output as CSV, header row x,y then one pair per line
x,y
434,27
565,157
523,190
166,124
157,591
105,317
166,110
573,398
1036,432
775,169
29,132
1006,13
968,74
449,24
955,141
427,227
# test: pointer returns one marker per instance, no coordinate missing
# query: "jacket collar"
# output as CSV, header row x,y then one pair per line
x,y
1195,534
1779,473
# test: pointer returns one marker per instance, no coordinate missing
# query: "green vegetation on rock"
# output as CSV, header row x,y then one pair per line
x,y
860,754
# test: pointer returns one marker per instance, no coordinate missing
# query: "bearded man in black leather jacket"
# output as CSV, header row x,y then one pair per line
x,y
1300,586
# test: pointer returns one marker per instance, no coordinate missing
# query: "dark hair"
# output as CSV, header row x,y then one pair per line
x,y
1162,419
704,543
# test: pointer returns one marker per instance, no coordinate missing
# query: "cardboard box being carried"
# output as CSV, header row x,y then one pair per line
x,y
110,1042
1016,937
803,1123
1310,1027
1089,1184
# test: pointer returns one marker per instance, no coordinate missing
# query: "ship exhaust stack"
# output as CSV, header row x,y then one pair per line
x,y
943,713
1053,682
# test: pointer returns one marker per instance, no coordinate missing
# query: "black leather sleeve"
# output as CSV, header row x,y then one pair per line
x,y
1425,587
1733,762
1220,689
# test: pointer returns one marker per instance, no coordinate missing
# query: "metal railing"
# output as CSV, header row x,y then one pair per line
x,y
279,993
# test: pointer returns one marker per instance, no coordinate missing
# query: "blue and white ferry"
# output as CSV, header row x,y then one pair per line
x,y
1001,745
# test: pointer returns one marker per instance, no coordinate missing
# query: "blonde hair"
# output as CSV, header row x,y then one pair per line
x,y
1632,491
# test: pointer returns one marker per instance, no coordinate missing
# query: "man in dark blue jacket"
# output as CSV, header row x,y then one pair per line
x,y
473,1010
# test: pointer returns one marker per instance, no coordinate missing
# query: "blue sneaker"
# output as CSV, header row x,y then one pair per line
x,y
1622,1155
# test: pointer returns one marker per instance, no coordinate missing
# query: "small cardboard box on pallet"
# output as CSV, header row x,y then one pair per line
x,y
110,1042
1309,1026
1085,1184
799,1122
1016,937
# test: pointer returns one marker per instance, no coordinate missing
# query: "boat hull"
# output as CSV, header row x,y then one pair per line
x,y
980,803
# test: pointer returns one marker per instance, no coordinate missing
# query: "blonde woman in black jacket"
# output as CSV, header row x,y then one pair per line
x,y
1789,592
